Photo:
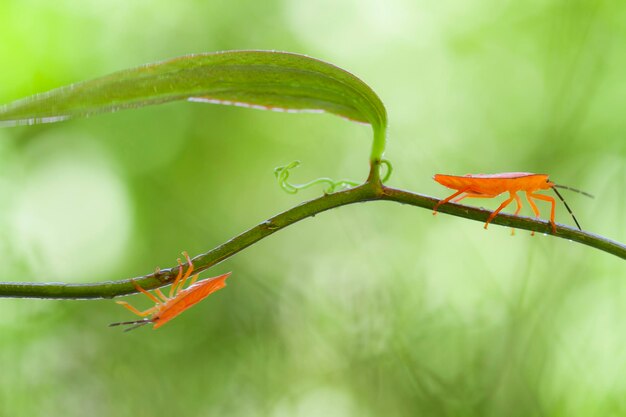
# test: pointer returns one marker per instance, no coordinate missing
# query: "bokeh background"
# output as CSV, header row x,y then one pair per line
x,y
367,310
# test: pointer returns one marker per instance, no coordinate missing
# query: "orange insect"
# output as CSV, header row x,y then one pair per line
x,y
179,299
492,185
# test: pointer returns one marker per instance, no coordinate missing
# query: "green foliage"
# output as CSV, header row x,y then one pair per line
x,y
367,310
260,79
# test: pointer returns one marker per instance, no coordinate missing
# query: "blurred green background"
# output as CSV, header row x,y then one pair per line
x,y
367,310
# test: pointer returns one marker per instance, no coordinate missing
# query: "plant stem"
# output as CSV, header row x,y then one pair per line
x,y
366,192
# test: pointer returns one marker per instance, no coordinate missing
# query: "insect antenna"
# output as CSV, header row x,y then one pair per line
x,y
567,207
137,323
572,189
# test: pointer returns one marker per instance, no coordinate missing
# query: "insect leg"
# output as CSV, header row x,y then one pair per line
x,y
178,277
444,201
552,208
519,204
532,204
161,295
499,209
149,295
517,210
137,312
534,207
187,273
193,279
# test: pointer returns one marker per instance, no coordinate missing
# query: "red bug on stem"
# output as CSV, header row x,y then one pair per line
x,y
492,185
179,299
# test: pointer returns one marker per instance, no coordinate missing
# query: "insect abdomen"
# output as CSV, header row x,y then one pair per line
x,y
189,297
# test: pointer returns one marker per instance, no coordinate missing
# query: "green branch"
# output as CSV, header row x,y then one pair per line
x,y
260,79
365,192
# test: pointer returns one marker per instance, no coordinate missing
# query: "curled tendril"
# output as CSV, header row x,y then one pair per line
x,y
282,175
387,164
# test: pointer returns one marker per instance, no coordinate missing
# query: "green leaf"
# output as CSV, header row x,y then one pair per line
x,y
259,79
